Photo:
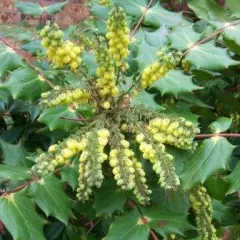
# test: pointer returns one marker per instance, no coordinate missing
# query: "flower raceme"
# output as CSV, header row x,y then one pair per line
x,y
59,52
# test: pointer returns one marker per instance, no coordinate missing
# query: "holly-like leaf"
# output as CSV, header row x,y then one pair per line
x,y
182,37
128,226
212,155
24,81
157,16
99,11
175,82
108,199
13,172
9,60
48,193
69,174
90,61
207,9
208,56
132,7
157,38
56,7
222,124
34,9
234,7
18,214
14,155
146,99
146,55
234,179
54,118
166,222
181,110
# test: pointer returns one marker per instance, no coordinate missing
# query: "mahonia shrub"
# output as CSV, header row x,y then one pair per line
x,y
124,126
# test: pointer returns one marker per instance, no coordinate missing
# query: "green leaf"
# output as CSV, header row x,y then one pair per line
x,y
55,8
234,179
52,118
181,110
99,11
128,226
222,124
90,61
85,209
34,9
157,16
108,199
166,222
208,9
48,193
211,156
157,38
14,155
234,7
70,175
13,172
9,60
132,7
25,83
182,37
146,99
29,8
208,56
18,214
175,82
146,55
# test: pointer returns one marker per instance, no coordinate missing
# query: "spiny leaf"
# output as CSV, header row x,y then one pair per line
x,y
55,8
49,195
157,38
166,222
24,81
146,99
234,179
108,199
234,7
212,155
146,55
128,226
208,56
70,175
175,82
18,214
52,118
157,16
182,37
14,155
9,60
222,124
132,7
207,9
13,172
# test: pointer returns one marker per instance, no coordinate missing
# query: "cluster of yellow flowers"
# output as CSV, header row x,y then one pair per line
x,y
161,160
202,206
59,52
60,95
118,36
235,122
157,70
106,81
58,155
90,162
176,132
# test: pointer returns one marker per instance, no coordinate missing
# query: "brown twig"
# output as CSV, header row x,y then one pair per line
x,y
30,64
140,20
75,119
237,135
93,226
211,36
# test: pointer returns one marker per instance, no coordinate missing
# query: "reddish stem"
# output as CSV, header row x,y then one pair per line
x,y
218,134
153,235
